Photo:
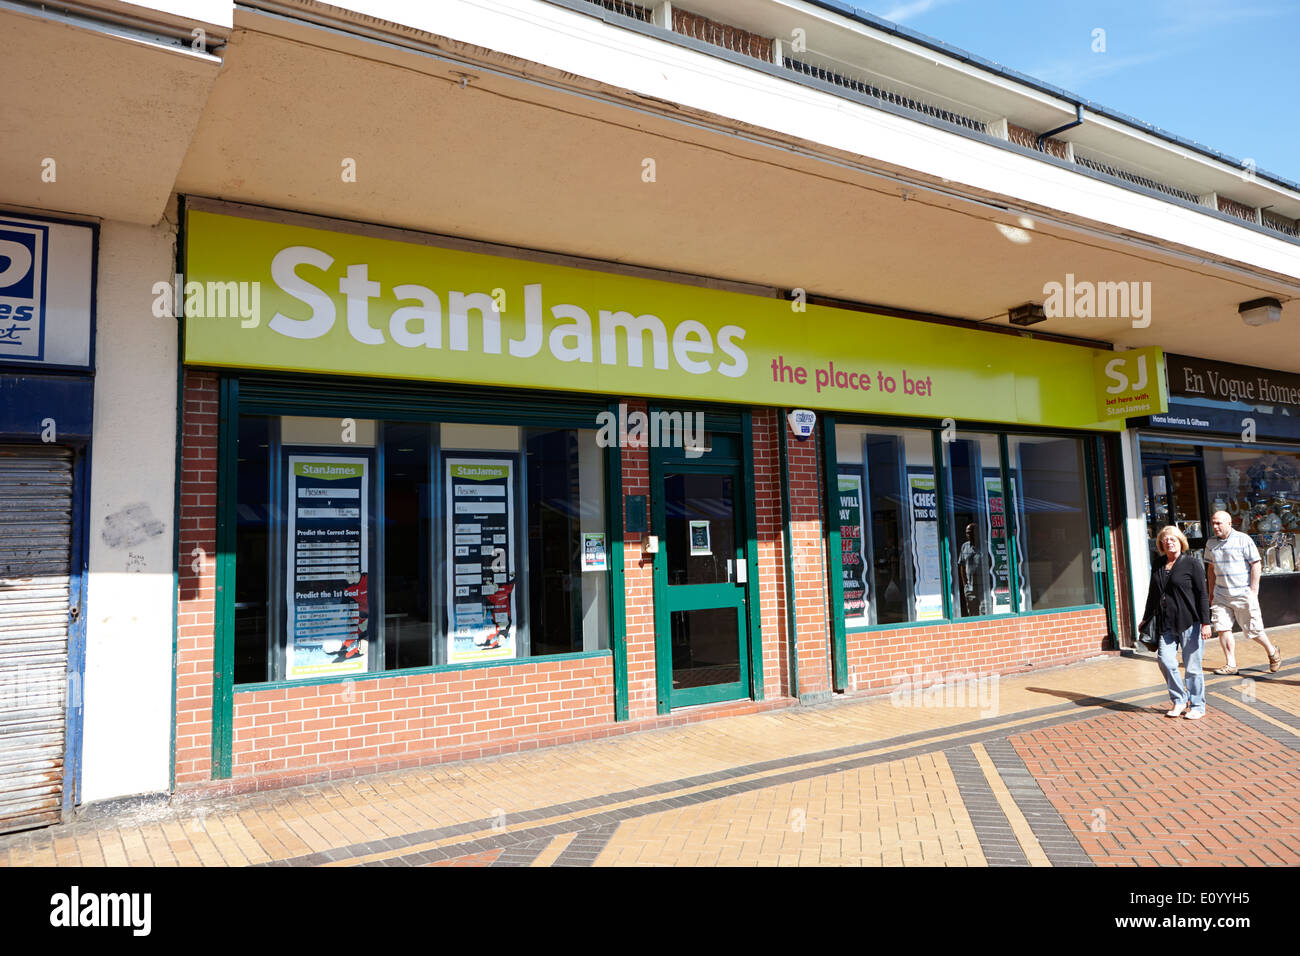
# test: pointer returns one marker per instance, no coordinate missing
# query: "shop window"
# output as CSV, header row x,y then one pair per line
x,y
408,577
367,545
1174,494
1187,494
1260,489
569,604
1019,533
1054,528
980,539
889,526
253,521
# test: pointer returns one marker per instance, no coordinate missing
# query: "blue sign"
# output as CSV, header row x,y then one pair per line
x,y
1228,418
50,407
24,251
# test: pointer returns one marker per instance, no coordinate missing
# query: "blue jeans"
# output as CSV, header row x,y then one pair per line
x,y
1193,647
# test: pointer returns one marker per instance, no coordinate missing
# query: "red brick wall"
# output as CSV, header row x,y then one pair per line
x,y
883,660
1027,137
400,720
771,553
811,593
638,588
1234,208
197,528
722,34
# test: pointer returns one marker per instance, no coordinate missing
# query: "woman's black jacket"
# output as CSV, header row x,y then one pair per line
x,y
1186,599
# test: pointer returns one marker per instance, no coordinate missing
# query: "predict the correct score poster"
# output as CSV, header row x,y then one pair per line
x,y
327,578
481,559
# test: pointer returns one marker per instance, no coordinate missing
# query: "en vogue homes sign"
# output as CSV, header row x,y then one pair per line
x,y
1216,397
1201,379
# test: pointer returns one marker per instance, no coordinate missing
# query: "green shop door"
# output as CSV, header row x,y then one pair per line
x,y
701,572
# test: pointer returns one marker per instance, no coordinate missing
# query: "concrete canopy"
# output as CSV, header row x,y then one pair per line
x,y
114,110
508,160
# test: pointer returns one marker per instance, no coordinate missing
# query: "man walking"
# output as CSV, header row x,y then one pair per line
x,y
1233,567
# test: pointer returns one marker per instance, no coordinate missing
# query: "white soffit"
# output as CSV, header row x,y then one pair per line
x,y
218,13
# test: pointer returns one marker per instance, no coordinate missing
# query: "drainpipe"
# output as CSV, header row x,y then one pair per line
x,y
1078,121
790,626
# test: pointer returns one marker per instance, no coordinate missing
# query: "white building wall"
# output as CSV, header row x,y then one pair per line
x,y
128,683
1135,522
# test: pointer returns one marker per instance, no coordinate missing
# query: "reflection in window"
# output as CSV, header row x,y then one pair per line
x,y
565,491
1260,489
701,524
1055,530
889,525
252,549
408,575
705,647
980,538
1020,535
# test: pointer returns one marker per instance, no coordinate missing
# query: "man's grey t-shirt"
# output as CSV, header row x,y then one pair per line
x,y
1231,558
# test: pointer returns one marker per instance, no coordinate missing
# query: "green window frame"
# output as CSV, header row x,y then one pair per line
x,y
1094,497
275,395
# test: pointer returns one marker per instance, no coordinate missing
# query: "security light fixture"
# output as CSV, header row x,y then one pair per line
x,y
1260,311
1027,314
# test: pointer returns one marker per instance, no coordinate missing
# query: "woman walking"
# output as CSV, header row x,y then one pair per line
x,y
1179,604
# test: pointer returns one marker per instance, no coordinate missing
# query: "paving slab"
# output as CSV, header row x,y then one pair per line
x,y
1073,766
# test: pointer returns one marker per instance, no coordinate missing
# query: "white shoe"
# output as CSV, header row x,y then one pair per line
x,y
1195,714
1177,710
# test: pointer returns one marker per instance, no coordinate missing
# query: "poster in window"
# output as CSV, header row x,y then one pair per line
x,y
481,560
700,544
999,545
328,555
593,551
852,549
925,545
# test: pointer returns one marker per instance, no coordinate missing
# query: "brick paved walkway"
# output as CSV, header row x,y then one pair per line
x,y
1075,766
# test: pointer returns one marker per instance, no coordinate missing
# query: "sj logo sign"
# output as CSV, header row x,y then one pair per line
x,y
1131,384
23,252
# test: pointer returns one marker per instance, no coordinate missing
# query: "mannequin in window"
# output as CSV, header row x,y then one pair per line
x,y
970,575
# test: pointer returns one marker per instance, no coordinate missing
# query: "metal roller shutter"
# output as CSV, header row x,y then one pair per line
x,y
35,559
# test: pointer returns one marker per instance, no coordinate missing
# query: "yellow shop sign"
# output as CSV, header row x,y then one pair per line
x,y
341,303
1131,384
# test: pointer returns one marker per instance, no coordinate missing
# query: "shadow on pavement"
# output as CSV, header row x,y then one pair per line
x,y
1086,700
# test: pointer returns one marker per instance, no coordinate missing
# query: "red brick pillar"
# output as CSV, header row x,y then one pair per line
x,y
771,553
196,577
638,590
810,584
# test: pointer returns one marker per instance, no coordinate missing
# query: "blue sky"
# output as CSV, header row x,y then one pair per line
x,y
1223,74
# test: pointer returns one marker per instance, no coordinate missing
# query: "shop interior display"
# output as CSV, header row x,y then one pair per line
x,y
1262,493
